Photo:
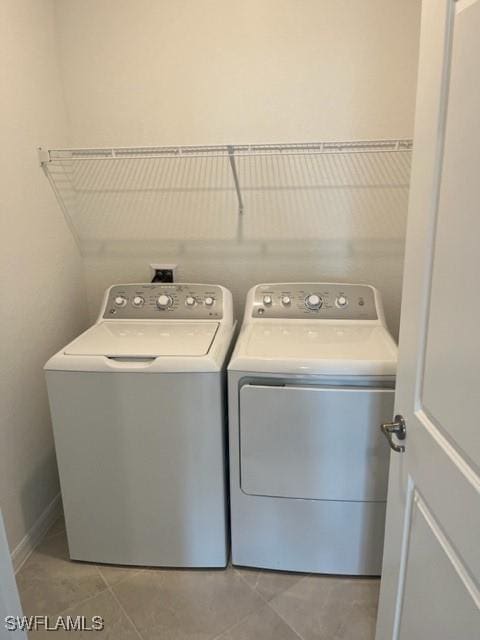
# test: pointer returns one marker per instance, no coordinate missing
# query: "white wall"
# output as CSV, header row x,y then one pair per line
x,y
158,72
43,297
146,72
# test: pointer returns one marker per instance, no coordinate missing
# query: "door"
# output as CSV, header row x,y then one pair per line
x,y
10,608
316,443
431,567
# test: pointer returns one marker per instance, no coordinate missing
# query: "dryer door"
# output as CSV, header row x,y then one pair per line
x,y
320,443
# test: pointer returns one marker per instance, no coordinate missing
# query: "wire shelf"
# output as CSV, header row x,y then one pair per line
x,y
322,190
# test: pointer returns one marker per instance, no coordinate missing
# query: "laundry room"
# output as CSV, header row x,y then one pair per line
x,y
219,218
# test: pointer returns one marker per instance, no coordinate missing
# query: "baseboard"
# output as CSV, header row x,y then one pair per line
x,y
36,533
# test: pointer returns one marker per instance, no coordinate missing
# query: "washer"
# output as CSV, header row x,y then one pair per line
x,y
310,380
137,404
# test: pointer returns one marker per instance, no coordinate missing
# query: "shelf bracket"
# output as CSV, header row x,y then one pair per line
x,y
43,156
231,157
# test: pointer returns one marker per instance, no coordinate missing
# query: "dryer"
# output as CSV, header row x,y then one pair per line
x,y
310,380
138,412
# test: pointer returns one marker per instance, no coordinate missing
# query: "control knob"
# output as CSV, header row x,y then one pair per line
x,y
341,301
138,301
267,300
209,301
286,300
313,301
120,301
164,301
190,301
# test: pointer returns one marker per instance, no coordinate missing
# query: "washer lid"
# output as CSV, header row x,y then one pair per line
x,y
315,347
120,339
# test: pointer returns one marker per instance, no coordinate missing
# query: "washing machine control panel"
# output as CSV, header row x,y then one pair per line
x,y
315,300
164,301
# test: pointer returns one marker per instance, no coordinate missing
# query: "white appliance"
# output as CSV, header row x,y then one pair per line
x,y
310,380
138,412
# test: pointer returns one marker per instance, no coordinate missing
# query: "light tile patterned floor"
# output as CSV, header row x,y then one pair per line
x,y
155,604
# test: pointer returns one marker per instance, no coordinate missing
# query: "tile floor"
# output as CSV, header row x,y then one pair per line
x,y
155,604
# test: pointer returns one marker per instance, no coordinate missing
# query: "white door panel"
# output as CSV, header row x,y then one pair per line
x,y
433,564
453,324
431,571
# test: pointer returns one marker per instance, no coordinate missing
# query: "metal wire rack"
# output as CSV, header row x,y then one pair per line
x,y
220,192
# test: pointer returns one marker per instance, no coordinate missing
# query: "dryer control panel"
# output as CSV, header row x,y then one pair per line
x,y
325,301
164,301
